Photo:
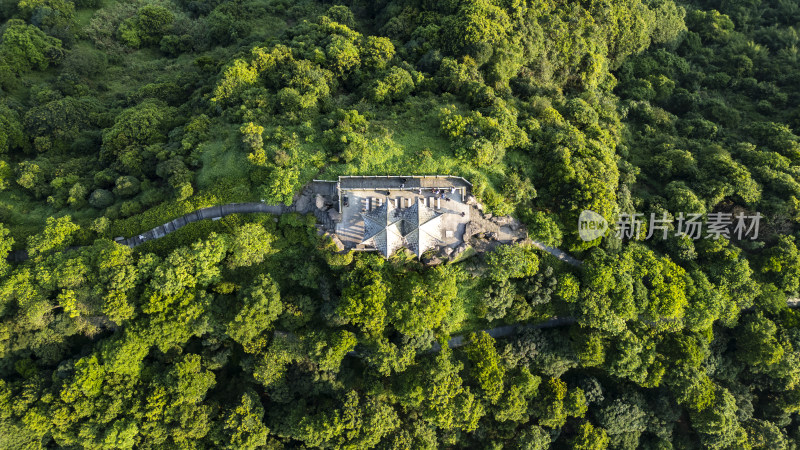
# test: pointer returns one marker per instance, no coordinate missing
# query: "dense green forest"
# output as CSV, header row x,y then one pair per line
x,y
254,332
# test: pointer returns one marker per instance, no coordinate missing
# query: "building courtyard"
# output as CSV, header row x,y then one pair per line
x,y
415,212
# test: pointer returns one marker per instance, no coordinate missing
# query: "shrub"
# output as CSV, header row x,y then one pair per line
x,y
130,208
101,198
24,47
127,186
396,85
6,175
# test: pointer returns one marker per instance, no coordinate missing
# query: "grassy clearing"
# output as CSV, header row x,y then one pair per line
x,y
223,162
267,27
403,143
462,317
83,16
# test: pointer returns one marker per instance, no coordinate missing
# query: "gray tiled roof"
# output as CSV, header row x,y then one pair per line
x,y
417,228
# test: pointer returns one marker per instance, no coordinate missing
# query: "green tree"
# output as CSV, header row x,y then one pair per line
x,y
549,408
25,47
487,367
101,198
363,300
442,399
283,182
421,302
765,435
249,245
11,134
6,244
535,438
376,52
343,56
55,17
590,437
127,186
328,350
624,419
717,425
512,261
133,130
757,343
242,425
782,263
147,27
394,86
56,236
261,306
477,22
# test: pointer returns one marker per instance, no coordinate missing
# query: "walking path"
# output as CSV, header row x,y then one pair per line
x,y
319,197
506,331
560,254
304,203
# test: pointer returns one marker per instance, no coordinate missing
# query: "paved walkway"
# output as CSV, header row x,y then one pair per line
x,y
212,213
323,193
306,202
560,254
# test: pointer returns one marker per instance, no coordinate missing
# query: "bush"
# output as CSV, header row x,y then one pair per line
x,y
85,61
130,208
101,198
127,186
24,47
396,85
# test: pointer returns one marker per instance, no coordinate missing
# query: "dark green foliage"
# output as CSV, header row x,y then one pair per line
x,y
11,133
147,27
54,17
255,331
135,135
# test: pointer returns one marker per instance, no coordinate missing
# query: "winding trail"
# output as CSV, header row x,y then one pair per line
x,y
308,202
508,330
318,198
560,254
304,203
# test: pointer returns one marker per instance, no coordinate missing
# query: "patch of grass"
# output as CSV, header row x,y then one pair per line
x,y
83,16
267,27
462,318
221,160
406,143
